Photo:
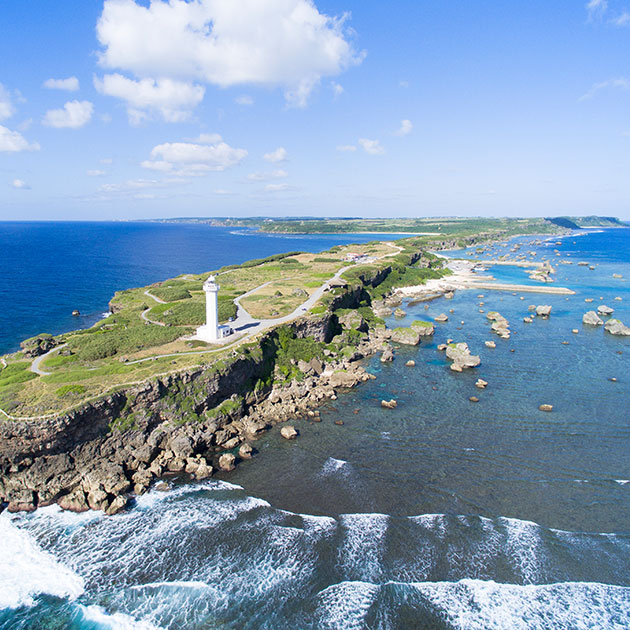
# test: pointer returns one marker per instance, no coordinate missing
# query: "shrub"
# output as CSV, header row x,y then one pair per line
x,y
171,293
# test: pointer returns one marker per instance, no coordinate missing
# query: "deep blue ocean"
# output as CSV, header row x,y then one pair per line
x,y
49,269
441,514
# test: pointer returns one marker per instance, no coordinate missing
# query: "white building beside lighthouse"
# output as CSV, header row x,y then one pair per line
x,y
211,332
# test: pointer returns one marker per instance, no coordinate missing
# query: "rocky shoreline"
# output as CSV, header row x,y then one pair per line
x,y
82,461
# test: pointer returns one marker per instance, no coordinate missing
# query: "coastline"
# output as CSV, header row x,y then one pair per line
x,y
189,450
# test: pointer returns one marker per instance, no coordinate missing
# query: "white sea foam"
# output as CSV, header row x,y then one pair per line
x,y
115,621
344,606
27,571
480,605
622,482
152,497
362,549
332,466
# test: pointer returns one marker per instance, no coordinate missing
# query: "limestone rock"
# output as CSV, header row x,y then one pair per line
x,y
245,451
441,318
459,353
424,329
592,319
602,309
546,407
353,320
399,313
490,344
76,501
227,462
288,432
543,310
389,404
406,336
388,355
410,363
117,505
342,378
481,384
615,327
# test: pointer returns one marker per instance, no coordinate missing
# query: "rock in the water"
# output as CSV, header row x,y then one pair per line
x,y
615,327
546,407
288,432
592,319
406,336
245,451
410,363
490,344
543,310
400,313
227,462
459,353
575,331
388,355
602,309
424,329
473,399
389,404
481,384
527,320
76,501
441,318
118,504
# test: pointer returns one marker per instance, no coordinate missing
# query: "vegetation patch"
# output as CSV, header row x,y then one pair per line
x,y
65,390
170,293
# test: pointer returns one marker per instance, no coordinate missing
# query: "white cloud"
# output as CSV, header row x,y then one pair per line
x,y
244,100
188,158
6,105
74,114
620,83
208,138
286,43
20,184
279,155
406,127
13,142
596,8
263,177
346,148
133,185
276,187
221,191
95,173
71,84
622,20
336,88
373,147
173,100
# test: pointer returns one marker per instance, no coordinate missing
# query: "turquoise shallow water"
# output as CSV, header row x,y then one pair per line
x,y
438,514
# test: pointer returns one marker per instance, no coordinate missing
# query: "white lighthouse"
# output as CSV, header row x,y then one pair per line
x,y
210,330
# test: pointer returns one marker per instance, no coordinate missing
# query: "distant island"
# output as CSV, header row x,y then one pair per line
x,y
446,226
92,415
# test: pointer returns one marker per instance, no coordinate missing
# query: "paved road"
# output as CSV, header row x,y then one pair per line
x,y
34,367
157,299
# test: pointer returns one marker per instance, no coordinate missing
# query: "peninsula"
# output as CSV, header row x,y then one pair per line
x,y
90,416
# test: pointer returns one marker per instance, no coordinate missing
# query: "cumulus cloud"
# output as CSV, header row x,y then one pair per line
x,y
208,138
279,155
406,127
73,115
346,148
171,99
596,9
263,177
189,158
13,142
285,43
372,147
620,83
244,100
6,104
71,84
20,184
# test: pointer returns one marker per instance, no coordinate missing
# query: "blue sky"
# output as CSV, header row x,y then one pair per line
x,y
123,109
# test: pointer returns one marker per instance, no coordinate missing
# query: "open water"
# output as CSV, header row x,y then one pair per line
x,y
440,514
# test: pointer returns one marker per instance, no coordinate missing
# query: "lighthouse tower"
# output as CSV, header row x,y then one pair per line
x,y
210,330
